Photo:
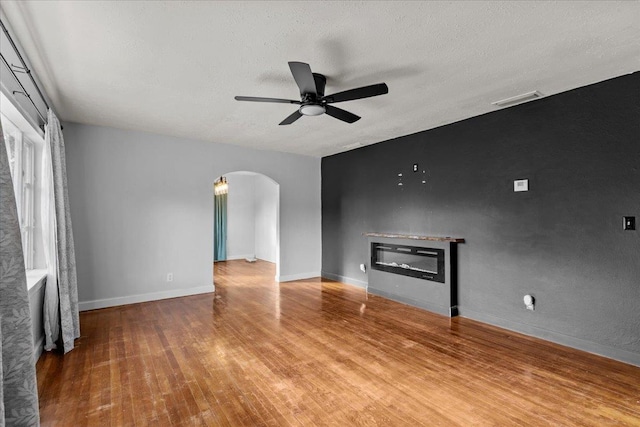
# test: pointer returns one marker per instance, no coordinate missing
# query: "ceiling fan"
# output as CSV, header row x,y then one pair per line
x,y
313,101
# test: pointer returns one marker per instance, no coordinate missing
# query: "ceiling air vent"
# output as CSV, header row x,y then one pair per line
x,y
518,99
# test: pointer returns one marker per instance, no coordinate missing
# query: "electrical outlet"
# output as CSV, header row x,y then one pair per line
x,y
529,302
169,277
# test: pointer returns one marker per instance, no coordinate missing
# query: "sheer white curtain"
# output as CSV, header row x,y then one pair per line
x,y
61,316
51,316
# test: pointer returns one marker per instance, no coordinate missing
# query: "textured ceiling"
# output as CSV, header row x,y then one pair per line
x,y
174,67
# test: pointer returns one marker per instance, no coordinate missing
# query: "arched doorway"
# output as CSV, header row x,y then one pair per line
x,y
251,226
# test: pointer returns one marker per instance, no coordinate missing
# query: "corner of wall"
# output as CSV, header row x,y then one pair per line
x,y
344,279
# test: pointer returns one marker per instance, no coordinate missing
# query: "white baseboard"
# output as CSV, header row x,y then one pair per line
x,y
346,280
153,296
235,257
300,276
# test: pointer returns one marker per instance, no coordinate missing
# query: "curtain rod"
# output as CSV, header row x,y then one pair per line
x,y
26,71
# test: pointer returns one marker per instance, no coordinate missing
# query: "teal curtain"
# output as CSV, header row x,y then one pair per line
x,y
220,228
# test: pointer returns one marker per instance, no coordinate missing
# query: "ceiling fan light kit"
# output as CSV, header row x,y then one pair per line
x,y
312,109
313,102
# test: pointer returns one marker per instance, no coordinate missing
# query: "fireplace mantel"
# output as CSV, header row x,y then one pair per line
x,y
414,237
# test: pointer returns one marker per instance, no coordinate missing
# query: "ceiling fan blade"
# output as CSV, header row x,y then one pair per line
x,y
341,114
303,77
259,99
292,118
358,93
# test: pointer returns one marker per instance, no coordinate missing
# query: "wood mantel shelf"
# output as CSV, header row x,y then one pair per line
x,y
406,236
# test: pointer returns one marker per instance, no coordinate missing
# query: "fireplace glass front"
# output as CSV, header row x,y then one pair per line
x,y
414,261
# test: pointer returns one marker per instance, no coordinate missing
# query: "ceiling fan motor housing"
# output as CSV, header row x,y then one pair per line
x,y
312,104
321,82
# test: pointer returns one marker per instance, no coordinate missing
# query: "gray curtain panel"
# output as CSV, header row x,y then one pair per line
x,y
67,277
18,386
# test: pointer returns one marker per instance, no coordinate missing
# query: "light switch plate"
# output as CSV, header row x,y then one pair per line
x,y
521,185
629,223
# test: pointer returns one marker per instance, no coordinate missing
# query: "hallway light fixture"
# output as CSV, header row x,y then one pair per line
x,y
221,186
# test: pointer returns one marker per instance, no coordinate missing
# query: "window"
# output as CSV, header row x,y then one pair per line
x,y
21,150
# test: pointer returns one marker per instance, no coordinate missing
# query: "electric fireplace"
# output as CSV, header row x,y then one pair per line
x,y
416,270
414,261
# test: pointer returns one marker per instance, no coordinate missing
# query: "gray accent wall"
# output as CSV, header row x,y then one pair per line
x,y
562,241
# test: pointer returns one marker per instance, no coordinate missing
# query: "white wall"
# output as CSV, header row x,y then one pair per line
x,y
142,206
266,210
252,207
241,216
36,302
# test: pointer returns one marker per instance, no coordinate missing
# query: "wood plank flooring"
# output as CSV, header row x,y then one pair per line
x,y
317,352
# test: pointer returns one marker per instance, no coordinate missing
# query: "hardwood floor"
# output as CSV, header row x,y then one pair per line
x,y
317,352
